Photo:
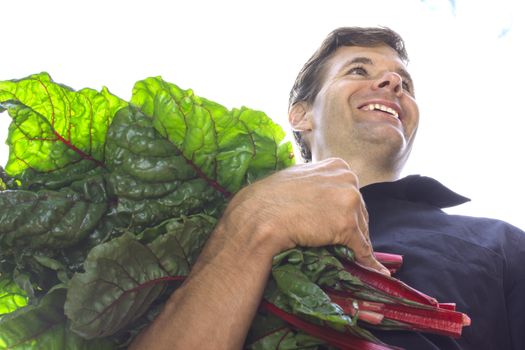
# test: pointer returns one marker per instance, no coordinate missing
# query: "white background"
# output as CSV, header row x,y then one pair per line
x,y
466,59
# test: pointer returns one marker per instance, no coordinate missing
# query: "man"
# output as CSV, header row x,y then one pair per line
x,y
354,112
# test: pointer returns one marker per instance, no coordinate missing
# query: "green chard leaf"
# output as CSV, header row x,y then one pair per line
x,y
227,148
124,277
12,297
179,242
42,327
287,339
270,332
300,273
57,179
51,219
54,126
148,174
306,298
320,265
6,181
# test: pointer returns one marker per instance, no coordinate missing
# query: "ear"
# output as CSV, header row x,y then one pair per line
x,y
299,117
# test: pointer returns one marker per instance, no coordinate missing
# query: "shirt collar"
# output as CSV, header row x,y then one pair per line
x,y
415,188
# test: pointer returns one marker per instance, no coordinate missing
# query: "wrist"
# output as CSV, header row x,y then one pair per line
x,y
251,226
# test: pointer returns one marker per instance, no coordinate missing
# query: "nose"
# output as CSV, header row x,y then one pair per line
x,y
391,81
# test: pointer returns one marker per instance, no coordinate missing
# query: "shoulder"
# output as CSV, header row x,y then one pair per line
x,y
496,240
493,234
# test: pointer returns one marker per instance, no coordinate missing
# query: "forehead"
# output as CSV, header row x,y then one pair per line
x,y
382,56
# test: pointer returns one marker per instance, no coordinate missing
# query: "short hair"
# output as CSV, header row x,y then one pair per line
x,y
308,81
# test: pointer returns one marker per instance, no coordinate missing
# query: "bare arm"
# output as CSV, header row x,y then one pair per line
x,y
308,205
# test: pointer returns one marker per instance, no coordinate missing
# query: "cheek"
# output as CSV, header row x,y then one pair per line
x,y
329,111
413,110
340,103
416,118
334,105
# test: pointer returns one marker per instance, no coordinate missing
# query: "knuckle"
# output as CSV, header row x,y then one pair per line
x,y
355,197
352,178
349,198
346,176
337,163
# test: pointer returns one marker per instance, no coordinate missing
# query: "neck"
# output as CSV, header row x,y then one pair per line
x,y
372,173
369,171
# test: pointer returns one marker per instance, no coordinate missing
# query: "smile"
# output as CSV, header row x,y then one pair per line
x,y
380,107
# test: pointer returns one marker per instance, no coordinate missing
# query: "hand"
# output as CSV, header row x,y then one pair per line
x,y
310,205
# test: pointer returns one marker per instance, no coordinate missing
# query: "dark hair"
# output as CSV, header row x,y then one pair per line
x,y
308,81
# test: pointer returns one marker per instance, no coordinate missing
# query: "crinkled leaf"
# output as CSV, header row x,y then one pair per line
x,y
151,178
306,298
111,225
54,126
288,339
229,148
24,282
123,277
51,219
126,336
180,244
55,180
44,327
6,181
270,332
299,274
12,297
55,265
319,264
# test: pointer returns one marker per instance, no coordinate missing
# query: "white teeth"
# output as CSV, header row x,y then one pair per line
x,y
391,111
375,106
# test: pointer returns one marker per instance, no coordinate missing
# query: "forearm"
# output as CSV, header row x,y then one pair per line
x,y
214,307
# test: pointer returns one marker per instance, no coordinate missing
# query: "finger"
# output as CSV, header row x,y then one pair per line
x,y
366,213
373,263
362,247
363,221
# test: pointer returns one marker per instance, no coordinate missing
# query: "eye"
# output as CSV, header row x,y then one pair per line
x,y
359,70
406,86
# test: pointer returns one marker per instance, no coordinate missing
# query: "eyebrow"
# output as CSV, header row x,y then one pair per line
x,y
365,60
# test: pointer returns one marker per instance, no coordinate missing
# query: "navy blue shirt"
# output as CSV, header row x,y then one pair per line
x,y
477,263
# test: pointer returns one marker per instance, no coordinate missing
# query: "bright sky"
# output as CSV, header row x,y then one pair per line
x,y
465,56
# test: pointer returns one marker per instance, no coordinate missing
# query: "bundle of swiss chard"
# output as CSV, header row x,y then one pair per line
x,y
106,204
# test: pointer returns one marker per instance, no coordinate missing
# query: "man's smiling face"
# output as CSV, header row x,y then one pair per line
x,y
366,101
